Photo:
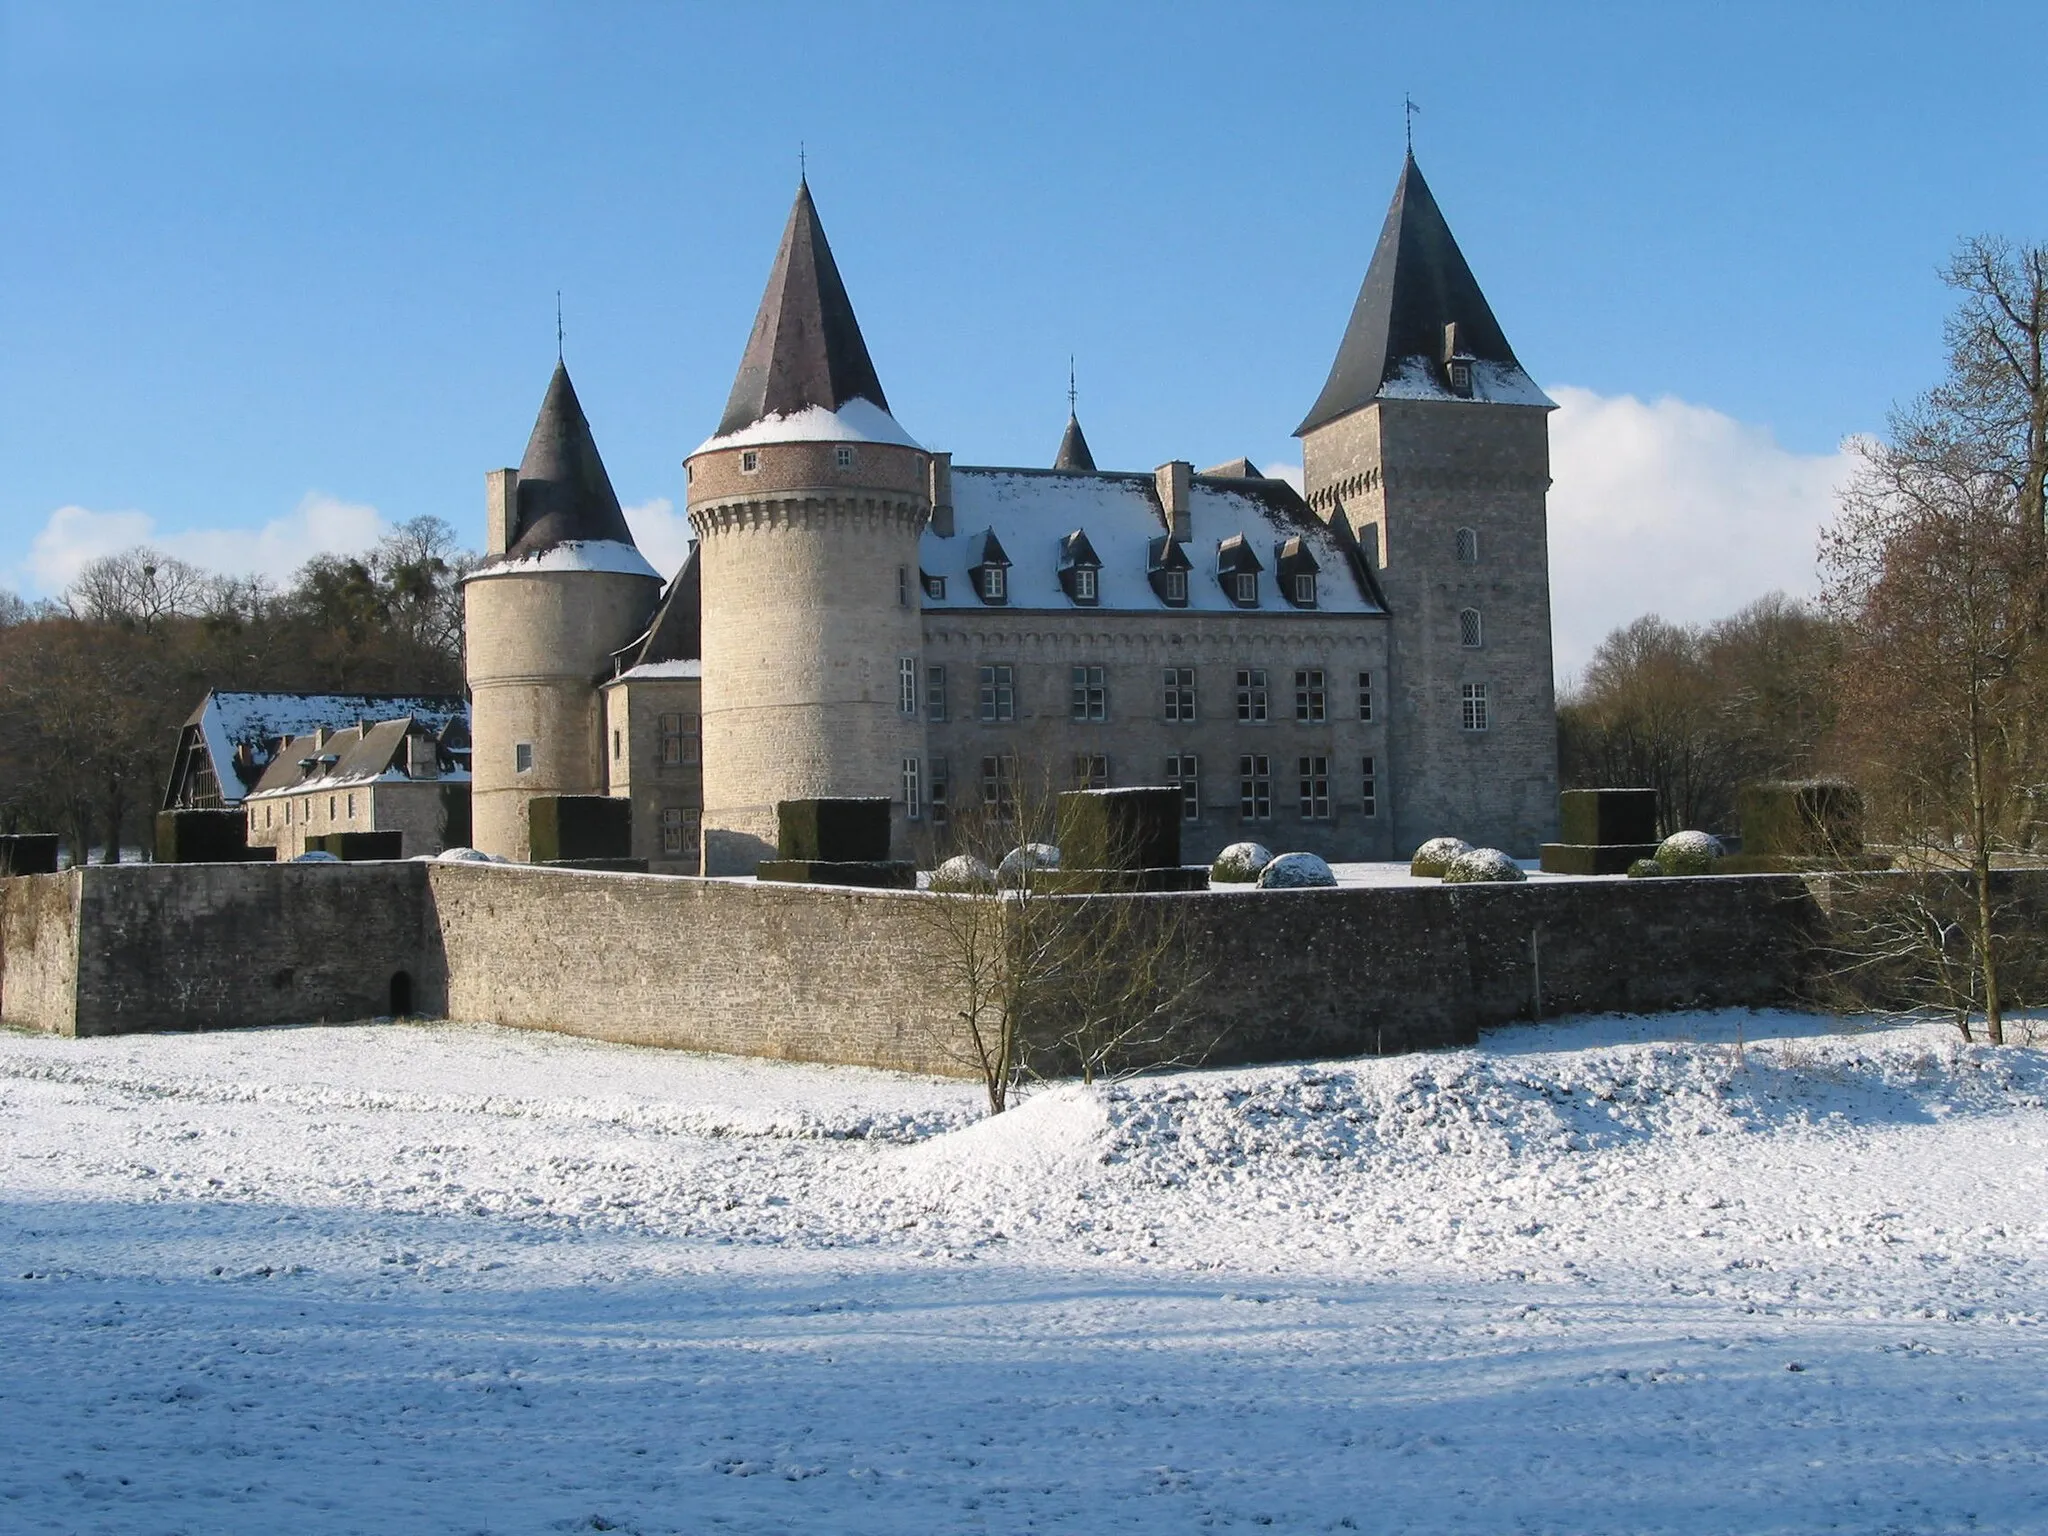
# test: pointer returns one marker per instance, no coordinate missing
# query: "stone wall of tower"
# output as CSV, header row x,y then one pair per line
x,y
811,589
1408,475
537,644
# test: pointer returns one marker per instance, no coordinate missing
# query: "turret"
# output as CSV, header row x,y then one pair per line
x,y
1430,445
807,505
562,587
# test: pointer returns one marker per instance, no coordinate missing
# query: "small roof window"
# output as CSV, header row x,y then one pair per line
x,y
1080,570
1237,570
1166,567
991,570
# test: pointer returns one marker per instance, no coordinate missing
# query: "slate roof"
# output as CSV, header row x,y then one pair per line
x,y
1418,283
806,348
258,723
564,494
1027,517
361,757
676,632
1074,452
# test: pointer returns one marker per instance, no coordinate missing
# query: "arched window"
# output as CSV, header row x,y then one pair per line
x,y
1470,634
1468,546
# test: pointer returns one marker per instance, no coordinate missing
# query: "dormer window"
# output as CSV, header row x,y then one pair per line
x,y
1080,570
1297,568
750,461
1173,586
1461,379
1457,363
990,571
1166,567
995,584
1237,571
934,586
1305,590
842,457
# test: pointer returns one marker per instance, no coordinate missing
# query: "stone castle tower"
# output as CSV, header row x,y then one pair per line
x,y
807,505
1431,444
561,588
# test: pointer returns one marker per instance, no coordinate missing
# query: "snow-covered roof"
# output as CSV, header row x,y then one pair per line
x,y
577,555
1031,511
1417,378
359,756
261,721
856,421
659,669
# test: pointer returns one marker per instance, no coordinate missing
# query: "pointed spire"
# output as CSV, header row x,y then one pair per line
x,y
1418,283
1074,452
806,348
565,496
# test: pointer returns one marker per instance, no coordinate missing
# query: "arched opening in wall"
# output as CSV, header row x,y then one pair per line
x,y
401,994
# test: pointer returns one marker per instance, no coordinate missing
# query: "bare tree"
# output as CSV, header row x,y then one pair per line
x,y
138,589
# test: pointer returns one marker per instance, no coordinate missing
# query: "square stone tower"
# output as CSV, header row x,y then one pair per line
x,y
1431,444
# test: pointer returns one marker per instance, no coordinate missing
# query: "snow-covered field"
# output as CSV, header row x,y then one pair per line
x,y
1604,1276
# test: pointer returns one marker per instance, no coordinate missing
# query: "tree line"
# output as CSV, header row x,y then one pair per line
x,y
95,683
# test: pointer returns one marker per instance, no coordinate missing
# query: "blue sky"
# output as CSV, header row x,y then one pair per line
x,y
265,260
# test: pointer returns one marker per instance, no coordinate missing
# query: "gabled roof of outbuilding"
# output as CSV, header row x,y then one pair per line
x,y
257,723
564,494
806,348
1074,453
1418,283
360,757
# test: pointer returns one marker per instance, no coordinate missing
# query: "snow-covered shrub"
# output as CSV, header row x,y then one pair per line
x,y
1295,871
963,872
1434,856
1482,864
1689,853
1019,862
1645,869
315,856
1240,863
468,856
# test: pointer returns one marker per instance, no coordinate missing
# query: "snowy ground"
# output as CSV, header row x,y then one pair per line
x,y
1606,1276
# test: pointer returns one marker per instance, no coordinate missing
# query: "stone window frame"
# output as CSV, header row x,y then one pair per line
x,y
676,745
1091,770
935,693
522,757
1252,698
1184,772
1471,629
999,784
680,830
843,456
1468,546
1179,688
998,697
1365,696
1254,787
1314,772
913,789
1311,695
1473,711
1088,696
936,791
1369,787
750,461
906,686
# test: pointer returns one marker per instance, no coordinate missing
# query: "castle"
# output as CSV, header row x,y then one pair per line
x,y
1347,672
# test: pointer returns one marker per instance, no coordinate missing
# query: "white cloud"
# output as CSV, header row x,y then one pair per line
x,y
320,524
1675,509
662,533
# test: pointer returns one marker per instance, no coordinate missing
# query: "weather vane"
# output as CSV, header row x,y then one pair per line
x,y
1070,384
558,325
803,164
1408,111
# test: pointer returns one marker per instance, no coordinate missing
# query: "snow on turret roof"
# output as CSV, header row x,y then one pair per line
x,y
857,421
579,555
1032,510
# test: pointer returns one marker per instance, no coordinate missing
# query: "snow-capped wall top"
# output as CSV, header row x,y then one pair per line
x,y
856,421
1031,512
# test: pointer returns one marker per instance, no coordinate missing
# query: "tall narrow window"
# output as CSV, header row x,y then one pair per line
x,y
998,695
618,744
1474,707
1365,695
1251,695
1369,786
1468,546
941,785
522,757
1182,772
1310,697
1255,787
913,790
902,586
351,806
935,694
1090,695
1469,633
1091,770
1315,788
906,685
1180,694
999,783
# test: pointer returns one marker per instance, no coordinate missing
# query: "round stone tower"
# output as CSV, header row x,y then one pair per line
x,y
807,505
561,588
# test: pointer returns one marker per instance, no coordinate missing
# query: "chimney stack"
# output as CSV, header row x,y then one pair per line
x,y
501,509
1174,481
942,495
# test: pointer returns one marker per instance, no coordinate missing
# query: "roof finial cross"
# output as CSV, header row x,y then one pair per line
x,y
558,325
803,164
1408,111
1070,384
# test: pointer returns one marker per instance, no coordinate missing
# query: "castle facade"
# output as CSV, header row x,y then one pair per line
x,y
1349,671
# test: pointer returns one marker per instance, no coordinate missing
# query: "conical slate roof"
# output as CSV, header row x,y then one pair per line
x,y
1074,452
1417,284
564,494
806,348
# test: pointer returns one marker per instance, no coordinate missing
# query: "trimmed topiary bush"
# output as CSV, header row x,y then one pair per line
x,y
963,872
1018,863
1240,864
1482,864
1295,871
1645,869
1689,853
1434,856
